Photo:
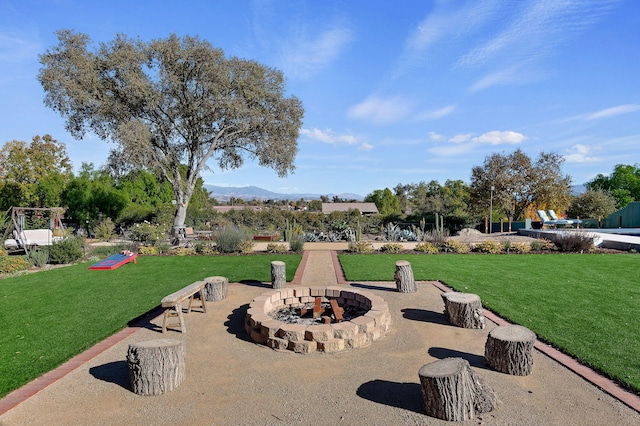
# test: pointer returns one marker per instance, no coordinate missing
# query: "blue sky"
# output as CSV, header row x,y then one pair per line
x,y
394,92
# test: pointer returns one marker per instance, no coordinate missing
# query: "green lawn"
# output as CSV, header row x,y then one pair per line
x,y
50,316
585,304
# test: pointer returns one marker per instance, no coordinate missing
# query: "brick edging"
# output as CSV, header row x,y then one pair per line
x,y
605,384
337,267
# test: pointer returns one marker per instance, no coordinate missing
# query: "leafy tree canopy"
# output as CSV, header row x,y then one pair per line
x,y
173,101
386,202
519,182
592,204
33,174
623,184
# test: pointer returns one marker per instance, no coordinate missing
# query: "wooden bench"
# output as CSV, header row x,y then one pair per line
x,y
173,304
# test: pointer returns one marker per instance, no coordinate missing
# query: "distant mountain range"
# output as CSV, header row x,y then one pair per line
x,y
224,193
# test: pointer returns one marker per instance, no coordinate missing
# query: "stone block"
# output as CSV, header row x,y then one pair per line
x,y
319,333
303,347
258,337
358,341
374,334
301,291
365,324
276,343
331,345
270,328
293,332
377,316
316,291
344,330
256,319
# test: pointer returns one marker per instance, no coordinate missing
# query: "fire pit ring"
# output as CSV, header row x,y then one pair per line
x,y
358,332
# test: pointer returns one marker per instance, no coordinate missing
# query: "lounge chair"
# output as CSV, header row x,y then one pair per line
x,y
553,216
553,222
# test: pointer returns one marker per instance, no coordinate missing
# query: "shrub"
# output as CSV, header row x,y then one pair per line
x,y
146,233
491,247
297,243
574,242
183,251
519,247
106,251
66,251
435,237
428,248
360,247
39,258
274,248
453,246
229,239
12,264
391,248
162,246
149,250
541,244
206,248
105,230
246,246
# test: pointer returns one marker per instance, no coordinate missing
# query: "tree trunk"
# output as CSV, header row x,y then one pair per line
x,y
181,214
452,391
278,274
156,366
509,349
404,277
216,288
463,309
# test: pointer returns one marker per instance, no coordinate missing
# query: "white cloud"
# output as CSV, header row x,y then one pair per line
x,y
328,136
451,150
500,138
580,154
436,114
436,137
460,138
307,57
379,110
365,147
613,111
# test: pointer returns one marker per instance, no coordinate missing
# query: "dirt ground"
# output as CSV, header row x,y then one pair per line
x,y
233,381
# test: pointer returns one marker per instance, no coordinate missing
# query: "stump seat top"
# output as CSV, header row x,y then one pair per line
x,y
512,333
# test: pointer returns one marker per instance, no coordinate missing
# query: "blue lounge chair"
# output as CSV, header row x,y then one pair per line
x,y
553,222
553,216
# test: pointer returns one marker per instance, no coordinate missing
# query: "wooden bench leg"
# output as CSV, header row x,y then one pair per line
x,y
203,305
177,312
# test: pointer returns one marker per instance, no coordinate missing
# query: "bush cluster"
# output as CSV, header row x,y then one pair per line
x,y
360,247
428,248
453,246
490,247
147,234
518,247
274,248
575,242
541,244
39,258
391,248
66,251
229,239
206,248
11,264
105,230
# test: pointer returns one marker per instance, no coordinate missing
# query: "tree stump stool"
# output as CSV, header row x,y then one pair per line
x,y
156,366
463,309
278,274
215,288
509,349
404,277
453,391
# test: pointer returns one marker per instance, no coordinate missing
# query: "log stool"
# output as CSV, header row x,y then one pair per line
x,y
463,309
404,277
278,274
509,349
215,288
156,366
453,391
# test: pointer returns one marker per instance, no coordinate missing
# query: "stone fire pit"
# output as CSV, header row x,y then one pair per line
x,y
356,332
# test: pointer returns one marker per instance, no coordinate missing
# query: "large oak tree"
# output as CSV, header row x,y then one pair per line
x,y
173,101
520,183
